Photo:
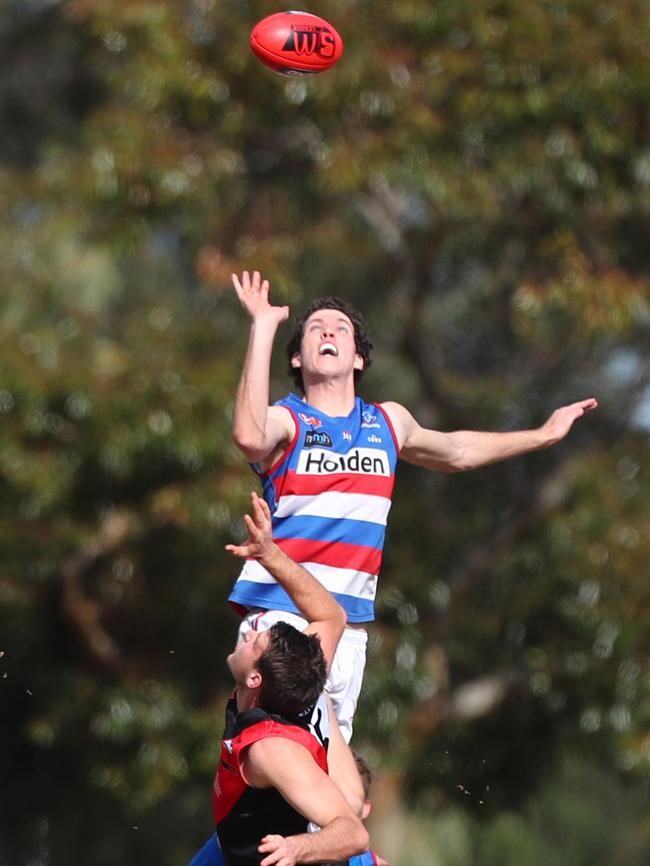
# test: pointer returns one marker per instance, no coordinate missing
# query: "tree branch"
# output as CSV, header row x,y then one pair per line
x,y
83,613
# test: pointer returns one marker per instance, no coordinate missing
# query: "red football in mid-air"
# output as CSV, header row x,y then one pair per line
x,y
296,43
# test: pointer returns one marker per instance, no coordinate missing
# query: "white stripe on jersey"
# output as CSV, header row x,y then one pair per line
x,y
358,506
347,580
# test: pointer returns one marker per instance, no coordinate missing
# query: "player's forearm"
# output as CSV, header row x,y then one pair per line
x,y
313,601
340,839
252,401
342,767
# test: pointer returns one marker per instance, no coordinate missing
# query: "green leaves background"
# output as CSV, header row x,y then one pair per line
x,y
475,178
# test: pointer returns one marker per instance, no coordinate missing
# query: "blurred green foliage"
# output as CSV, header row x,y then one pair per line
x,y
475,177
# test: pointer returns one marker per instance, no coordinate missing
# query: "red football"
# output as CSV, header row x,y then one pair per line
x,y
296,43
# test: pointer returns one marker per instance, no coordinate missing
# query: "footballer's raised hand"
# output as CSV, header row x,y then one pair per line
x,y
253,294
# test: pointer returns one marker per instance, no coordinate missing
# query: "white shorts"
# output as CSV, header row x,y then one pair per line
x,y
346,675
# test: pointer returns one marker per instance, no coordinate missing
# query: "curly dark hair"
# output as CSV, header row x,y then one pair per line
x,y
362,341
293,671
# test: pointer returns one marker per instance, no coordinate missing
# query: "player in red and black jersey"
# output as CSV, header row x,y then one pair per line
x,y
272,779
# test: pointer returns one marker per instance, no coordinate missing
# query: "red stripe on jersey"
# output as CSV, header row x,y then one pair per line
x,y
294,484
338,554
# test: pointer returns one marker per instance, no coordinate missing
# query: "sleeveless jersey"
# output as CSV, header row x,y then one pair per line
x,y
329,495
244,815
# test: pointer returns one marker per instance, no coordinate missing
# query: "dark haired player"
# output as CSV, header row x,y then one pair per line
x,y
272,779
327,464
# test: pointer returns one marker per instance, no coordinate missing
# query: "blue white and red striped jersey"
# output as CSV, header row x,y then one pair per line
x,y
329,495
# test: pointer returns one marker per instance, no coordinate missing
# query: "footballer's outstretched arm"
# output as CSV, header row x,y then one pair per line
x,y
469,449
259,429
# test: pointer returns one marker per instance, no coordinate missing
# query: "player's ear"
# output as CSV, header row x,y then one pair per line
x,y
358,362
367,809
254,679
295,361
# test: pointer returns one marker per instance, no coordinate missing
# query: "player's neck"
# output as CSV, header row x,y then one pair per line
x,y
331,397
246,699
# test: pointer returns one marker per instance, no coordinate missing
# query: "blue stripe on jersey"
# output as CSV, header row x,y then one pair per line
x,y
271,596
358,532
210,854
365,859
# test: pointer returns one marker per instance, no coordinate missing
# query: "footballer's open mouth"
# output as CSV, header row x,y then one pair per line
x,y
328,349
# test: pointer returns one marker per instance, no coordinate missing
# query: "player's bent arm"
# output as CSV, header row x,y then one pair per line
x,y
287,766
342,767
469,449
260,431
261,436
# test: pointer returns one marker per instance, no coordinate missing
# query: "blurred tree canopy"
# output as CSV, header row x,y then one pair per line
x,y
476,178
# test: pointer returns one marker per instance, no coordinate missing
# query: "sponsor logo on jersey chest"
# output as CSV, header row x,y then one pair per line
x,y
362,461
317,437
369,419
310,419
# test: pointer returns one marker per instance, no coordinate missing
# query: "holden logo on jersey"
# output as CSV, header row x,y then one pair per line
x,y
358,461
309,419
228,746
317,437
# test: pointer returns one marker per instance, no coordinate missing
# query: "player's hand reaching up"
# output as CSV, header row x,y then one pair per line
x,y
253,293
258,523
